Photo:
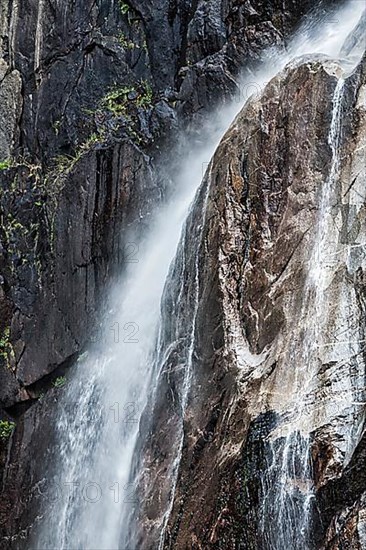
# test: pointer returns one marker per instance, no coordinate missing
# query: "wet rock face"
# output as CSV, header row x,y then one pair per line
x,y
60,65
90,94
265,187
225,38
90,49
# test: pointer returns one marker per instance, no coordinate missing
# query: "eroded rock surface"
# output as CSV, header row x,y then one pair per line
x,y
90,94
260,366
71,138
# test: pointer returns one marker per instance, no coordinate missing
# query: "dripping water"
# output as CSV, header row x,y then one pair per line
x,y
189,359
288,526
289,508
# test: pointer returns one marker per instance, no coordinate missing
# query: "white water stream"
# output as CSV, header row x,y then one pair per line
x,y
286,515
288,487
103,401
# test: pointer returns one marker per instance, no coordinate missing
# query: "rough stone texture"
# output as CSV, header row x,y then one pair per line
x,y
24,481
83,174
69,58
248,365
11,107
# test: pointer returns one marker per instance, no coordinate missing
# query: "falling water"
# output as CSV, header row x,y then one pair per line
x,y
197,243
288,487
285,522
102,404
97,427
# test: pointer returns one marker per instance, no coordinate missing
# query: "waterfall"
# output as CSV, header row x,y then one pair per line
x,y
190,350
89,492
288,490
286,515
287,484
101,408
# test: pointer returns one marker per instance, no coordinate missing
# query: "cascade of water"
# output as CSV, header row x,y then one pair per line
x,y
287,485
290,469
101,408
100,411
189,359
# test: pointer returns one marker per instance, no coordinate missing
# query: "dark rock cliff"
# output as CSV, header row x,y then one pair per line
x,y
90,95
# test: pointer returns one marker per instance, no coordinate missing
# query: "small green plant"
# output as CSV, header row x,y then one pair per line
x,y
89,112
146,96
116,100
119,100
5,164
4,339
5,345
63,164
6,429
126,43
93,139
125,8
59,382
